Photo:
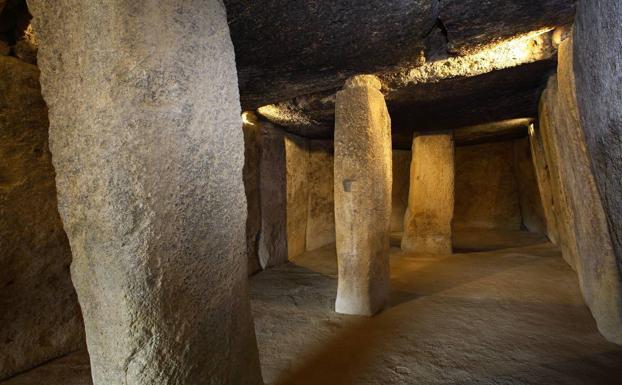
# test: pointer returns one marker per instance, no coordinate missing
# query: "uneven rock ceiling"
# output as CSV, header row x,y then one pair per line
x,y
443,64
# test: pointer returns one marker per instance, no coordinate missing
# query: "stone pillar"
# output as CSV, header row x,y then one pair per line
x,y
252,160
297,164
427,223
362,196
273,196
147,142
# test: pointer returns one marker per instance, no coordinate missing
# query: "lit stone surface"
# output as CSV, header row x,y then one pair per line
x,y
530,204
486,189
147,142
427,222
584,236
543,178
362,198
252,159
39,314
321,211
272,247
401,185
297,163
598,57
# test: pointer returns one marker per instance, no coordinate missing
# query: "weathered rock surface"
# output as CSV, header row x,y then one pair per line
x,y
401,186
297,194
315,46
39,317
492,132
501,83
531,209
321,210
582,220
486,188
252,159
273,197
148,149
475,24
362,197
427,221
545,184
598,38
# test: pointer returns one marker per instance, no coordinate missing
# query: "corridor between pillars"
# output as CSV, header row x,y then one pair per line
x,y
363,178
427,222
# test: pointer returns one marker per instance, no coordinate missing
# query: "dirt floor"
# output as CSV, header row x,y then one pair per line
x,y
511,316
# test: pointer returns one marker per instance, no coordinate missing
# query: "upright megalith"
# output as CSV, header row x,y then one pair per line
x,y
597,59
427,222
39,314
147,142
362,196
585,237
543,178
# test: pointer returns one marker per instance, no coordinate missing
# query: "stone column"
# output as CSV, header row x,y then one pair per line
x,y
427,223
147,143
362,196
273,197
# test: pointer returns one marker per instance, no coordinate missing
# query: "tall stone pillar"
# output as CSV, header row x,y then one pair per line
x,y
362,196
147,143
427,223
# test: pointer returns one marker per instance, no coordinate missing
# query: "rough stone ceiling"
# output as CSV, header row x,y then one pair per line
x,y
292,55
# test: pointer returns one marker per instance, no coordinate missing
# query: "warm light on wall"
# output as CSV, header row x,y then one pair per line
x,y
527,48
247,118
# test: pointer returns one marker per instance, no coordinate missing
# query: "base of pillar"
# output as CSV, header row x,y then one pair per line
x,y
434,244
367,302
353,306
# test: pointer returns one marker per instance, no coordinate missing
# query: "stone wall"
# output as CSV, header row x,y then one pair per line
x,y
531,208
252,158
297,186
321,208
582,220
39,314
597,59
486,187
401,185
289,188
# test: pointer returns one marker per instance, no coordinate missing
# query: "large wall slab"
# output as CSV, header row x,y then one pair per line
x,y
39,314
148,148
401,186
321,208
252,159
531,208
584,230
427,222
297,186
543,178
486,187
597,59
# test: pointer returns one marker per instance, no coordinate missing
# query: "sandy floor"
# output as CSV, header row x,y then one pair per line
x,y
513,316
